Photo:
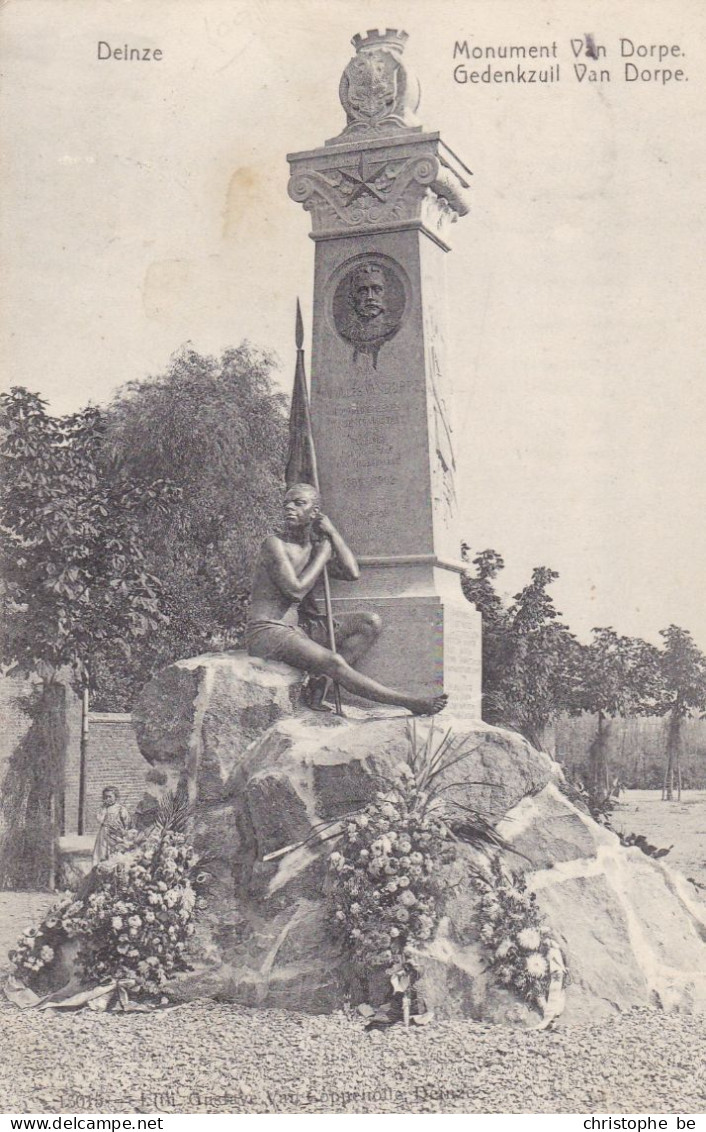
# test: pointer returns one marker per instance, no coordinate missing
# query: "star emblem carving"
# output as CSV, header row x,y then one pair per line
x,y
364,180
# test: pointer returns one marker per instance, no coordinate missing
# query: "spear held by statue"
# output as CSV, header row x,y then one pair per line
x,y
302,467
280,627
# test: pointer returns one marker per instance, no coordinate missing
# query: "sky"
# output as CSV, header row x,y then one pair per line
x,y
144,206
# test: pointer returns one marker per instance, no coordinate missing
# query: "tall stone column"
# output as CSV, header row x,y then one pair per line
x,y
383,196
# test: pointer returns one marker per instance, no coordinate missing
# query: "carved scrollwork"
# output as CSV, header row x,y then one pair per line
x,y
447,186
382,170
377,191
426,170
300,187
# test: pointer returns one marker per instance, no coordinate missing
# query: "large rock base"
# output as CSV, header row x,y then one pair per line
x,y
633,933
196,717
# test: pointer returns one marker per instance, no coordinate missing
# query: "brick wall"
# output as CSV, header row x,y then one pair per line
x,y
73,755
636,749
113,759
14,721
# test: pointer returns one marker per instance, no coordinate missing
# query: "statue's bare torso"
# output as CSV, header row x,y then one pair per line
x,y
267,601
288,567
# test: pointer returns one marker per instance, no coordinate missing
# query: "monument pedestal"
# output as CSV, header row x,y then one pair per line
x,y
431,638
383,197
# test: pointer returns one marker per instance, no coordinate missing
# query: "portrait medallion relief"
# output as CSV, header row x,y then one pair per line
x,y
369,304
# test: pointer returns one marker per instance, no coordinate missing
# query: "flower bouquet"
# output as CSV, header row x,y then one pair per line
x,y
130,921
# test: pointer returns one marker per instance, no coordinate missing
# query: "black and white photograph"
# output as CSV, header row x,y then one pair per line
x,y
352,559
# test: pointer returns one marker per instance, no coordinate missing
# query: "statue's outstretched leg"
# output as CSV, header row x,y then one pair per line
x,y
301,652
369,689
356,633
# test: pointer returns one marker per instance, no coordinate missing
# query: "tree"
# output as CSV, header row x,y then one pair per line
x,y
682,669
540,677
217,428
76,584
618,676
479,588
529,662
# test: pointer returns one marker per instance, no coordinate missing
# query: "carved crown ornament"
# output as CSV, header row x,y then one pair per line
x,y
382,172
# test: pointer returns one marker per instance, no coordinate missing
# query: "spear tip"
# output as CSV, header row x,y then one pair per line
x,y
299,328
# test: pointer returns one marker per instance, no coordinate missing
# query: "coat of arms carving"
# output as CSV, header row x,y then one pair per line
x,y
372,86
376,87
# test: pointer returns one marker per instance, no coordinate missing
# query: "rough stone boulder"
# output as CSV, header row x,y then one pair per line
x,y
316,766
264,938
197,716
266,775
632,931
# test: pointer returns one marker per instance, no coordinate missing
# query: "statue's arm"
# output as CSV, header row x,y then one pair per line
x,y
345,561
281,572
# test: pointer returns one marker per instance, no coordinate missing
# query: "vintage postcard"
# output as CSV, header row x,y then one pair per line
x,y
353,755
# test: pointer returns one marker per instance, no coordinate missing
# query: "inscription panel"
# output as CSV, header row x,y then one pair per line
x,y
369,404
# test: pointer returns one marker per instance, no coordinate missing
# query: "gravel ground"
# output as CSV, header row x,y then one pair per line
x,y
211,1057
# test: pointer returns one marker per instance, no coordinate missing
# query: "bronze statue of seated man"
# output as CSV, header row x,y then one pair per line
x,y
284,624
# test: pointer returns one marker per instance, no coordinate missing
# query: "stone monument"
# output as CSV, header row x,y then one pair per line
x,y
383,195
269,781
